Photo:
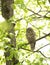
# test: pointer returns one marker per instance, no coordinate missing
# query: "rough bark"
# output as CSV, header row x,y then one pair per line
x,y
7,13
6,8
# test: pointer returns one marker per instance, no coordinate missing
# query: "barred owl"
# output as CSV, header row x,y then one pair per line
x,y
30,35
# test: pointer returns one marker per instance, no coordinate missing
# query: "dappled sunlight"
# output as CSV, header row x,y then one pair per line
x,y
1,52
41,43
1,19
13,36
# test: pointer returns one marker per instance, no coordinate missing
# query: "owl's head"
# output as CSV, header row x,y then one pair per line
x,y
29,30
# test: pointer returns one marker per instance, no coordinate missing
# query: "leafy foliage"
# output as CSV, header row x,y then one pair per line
x,y
27,13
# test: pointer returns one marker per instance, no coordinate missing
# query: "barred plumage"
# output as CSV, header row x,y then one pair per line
x,y
30,35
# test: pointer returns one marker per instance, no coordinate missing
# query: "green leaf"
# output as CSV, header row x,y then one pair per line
x,y
19,1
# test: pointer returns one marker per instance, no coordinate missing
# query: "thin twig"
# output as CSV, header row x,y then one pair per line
x,y
37,49
38,39
23,18
34,12
42,47
26,49
37,52
43,36
19,19
43,55
40,16
39,5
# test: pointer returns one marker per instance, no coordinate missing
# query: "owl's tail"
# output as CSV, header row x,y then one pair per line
x,y
32,46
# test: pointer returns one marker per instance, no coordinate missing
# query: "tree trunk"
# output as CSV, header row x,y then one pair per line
x,y
6,8
7,13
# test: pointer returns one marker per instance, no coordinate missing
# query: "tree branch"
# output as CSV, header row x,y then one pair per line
x,y
38,51
34,12
37,39
43,36
42,47
39,48
43,55
40,16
